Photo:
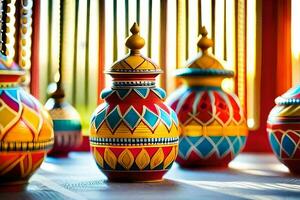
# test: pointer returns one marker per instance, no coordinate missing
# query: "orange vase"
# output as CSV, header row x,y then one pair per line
x,y
26,132
134,135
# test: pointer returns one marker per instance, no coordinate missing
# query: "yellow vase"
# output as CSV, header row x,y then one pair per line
x,y
134,135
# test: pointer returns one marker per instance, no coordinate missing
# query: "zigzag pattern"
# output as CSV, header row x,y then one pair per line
x,y
132,118
204,107
285,143
206,146
143,92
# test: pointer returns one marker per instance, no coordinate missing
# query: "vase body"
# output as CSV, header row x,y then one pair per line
x,y
26,128
283,127
134,135
212,122
66,125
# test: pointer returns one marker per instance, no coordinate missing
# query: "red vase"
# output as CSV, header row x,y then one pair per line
x,y
283,127
213,125
26,132
134,135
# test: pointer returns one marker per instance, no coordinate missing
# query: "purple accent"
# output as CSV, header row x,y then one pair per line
x,y
9,101
28,100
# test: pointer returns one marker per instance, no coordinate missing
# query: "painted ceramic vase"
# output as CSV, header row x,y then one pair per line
x,y
26,132
213,125
66,124
134,135
283,128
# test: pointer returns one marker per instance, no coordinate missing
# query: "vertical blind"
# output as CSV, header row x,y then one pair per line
x,y
295,41
94,37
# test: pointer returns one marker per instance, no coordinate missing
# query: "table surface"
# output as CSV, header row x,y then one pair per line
x,y
249,176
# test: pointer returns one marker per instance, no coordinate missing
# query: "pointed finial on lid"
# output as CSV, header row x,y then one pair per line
x,y
135,42
59,92
204,43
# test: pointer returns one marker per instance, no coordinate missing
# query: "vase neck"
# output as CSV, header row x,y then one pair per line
x,y
133,80
203,81
9,80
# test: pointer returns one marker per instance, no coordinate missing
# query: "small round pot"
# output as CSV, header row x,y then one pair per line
x,y
283,128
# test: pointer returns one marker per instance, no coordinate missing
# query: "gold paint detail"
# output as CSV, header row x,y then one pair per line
x,y
110,158
157,158
98,158
204,43
215,129
126,159
134,62
135,41
141,131
170,158
143,159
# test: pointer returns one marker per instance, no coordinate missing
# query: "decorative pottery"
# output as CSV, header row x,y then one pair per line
x,y
66,124
213,125
283,127
26,132
134,135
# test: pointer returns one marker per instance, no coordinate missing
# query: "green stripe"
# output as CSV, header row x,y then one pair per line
x,y
67,125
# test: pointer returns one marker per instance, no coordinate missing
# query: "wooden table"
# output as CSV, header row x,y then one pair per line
x,y
250,176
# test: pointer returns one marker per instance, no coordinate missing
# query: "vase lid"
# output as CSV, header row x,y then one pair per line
x,y
134,62
9,67
204,64
290,97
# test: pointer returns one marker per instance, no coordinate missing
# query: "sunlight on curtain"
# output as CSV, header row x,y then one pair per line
x,y
252,111
295,41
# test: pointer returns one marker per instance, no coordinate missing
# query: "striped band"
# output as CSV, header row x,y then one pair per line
x,y
26,146
133,83
133,141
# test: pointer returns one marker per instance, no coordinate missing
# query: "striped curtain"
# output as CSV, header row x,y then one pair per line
x,y
94,37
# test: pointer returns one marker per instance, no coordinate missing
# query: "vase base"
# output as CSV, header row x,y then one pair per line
x,y
13,186
135,176
58,154
293,165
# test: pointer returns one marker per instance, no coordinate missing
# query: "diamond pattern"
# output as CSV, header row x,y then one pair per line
x,y
174,117
206,146
288,145
184,146
275,145
132,118
100,118
165,118
142,92
113,119
160,92
150,118
123,93
285,143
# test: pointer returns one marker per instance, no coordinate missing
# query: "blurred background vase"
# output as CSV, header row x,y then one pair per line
x,y
26,132
213,125
283,127
134,135
66,124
